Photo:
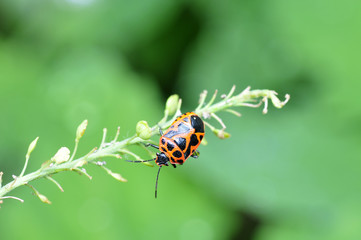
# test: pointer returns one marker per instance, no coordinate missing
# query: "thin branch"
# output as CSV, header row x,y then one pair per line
x,y
12,197
103,139
55,182
202,99
231,92
74,151
212,99
25,166
219,120
1,178
27,157
81,172
112,149
265,108
116,135
234,112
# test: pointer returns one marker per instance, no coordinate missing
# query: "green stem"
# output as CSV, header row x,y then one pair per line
x,y
75,149
113,148
25,165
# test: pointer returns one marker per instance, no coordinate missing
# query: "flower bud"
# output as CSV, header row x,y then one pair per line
x,y
81,130
32,147
171,105
43,198
117,176
143,130
277,103
204,142
62,155
221,133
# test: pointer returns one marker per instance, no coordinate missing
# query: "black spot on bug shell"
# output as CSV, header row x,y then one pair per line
x,y
170,146
181,143
163,149
177,154
194,140
180,162
163,140
200,137
187,152
197,123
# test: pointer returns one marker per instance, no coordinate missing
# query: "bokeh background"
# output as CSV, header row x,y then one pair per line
x,y
291,174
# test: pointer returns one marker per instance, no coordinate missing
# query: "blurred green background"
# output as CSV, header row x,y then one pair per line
x,y
291,174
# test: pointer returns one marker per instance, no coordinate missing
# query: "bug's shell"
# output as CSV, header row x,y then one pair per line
x,y
182,138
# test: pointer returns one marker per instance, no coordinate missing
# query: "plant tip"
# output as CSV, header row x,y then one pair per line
x,y
32,147
171,105
143,130
81,129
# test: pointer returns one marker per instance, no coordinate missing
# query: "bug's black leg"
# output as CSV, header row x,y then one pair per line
x,y
195,154
174,165
152,145
136,161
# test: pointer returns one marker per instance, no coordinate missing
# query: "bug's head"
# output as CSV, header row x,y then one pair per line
x,y
162,159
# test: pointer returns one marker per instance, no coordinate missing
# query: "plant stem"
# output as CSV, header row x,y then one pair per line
x,y
114,148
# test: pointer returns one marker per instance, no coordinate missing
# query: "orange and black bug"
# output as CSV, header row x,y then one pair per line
x,y
179,142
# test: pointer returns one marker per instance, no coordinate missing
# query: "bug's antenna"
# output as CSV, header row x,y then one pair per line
x,y
156,182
